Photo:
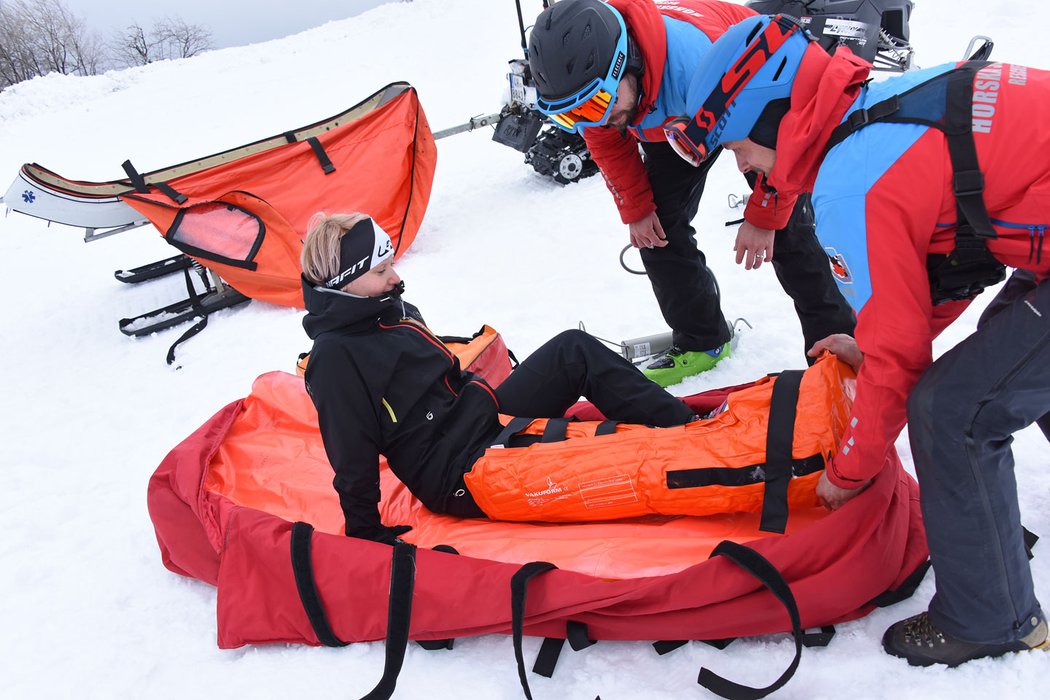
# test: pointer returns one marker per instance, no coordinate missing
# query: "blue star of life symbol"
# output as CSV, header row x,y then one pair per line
x,y
28,197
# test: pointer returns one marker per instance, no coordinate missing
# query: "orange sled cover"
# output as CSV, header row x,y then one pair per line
x,y
243,212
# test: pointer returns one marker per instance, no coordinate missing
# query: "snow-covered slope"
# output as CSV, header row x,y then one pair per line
x,y
86,607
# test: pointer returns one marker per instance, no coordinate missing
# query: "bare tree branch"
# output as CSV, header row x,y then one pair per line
x,y
42,37
133,47
182,40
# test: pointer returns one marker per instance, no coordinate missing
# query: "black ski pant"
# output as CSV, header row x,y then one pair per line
x,y
961,418
685,287
574,364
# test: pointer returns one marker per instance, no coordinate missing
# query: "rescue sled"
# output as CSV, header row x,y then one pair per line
x,y
242,213
246,504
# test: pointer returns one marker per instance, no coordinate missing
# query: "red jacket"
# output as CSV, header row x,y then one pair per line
x,y
885,193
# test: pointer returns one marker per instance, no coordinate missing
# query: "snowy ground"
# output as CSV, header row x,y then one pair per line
x,y
87,609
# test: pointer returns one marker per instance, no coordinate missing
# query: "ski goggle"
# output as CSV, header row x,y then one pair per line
x,y
590,106
689,137
592,112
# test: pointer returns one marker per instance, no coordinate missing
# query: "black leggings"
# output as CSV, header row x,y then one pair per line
x,y
574,364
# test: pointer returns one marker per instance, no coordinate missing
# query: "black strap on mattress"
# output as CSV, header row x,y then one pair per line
x,y
606,427
515,426
576,633
550,650
303,570
820,638
767,574
439,644
779,436
399,615
779,466
555,430
736,476
399,612
322,157
547,658
903,591
519,585
668,645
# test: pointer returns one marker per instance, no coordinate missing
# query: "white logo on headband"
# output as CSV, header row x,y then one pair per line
x,y
384,247
362,248
338,279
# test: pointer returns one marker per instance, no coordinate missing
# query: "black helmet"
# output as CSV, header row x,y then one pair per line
x,y
574,42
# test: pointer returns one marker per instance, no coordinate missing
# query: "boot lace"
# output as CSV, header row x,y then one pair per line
x,y
919,631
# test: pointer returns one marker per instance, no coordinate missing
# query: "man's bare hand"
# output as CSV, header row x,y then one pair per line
x,y
647,233
753,246
841,346
834,497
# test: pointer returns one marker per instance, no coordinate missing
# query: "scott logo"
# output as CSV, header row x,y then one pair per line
x,y
705,119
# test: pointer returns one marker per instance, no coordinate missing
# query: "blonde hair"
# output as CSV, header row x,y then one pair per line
x,y
320,258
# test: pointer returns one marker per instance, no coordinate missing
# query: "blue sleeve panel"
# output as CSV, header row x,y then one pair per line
x,y
686,46
848,173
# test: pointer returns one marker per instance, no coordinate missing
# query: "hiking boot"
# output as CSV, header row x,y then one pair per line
x,y
919,641
675,364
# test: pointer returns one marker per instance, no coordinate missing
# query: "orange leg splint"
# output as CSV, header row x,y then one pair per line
x,y
717,465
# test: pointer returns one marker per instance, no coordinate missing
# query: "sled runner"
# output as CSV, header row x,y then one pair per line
x,y
246,503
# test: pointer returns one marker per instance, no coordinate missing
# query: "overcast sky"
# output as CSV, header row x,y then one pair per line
x,y
231,22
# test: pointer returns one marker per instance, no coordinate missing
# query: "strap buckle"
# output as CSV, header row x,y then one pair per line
x,y
968,183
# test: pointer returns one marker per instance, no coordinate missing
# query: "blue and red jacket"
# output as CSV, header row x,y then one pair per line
x,y
673,36
884,201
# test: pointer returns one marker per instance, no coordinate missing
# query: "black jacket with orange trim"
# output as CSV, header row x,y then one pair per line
x,y
383,384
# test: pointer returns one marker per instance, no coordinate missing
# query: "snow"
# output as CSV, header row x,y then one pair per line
x,y
88,610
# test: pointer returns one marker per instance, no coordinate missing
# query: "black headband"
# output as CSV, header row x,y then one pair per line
x,y
363,247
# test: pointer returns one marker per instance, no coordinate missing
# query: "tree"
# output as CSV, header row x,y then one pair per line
x,y
42,37
182,40
133,47
169,38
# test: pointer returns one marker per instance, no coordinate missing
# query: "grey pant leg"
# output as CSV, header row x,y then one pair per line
x,y
961,416
1021,282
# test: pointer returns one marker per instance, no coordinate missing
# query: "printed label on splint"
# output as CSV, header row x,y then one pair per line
x,y
608,492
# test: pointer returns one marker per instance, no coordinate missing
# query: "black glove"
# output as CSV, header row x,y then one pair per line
x,y
382,533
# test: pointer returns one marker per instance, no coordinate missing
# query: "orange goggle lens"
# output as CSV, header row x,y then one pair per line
x,y
692,153
591,112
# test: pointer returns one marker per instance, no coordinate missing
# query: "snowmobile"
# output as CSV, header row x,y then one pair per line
x,y
549,150
875,30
